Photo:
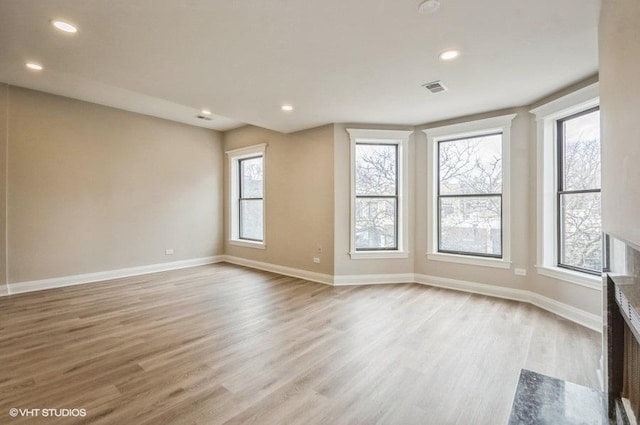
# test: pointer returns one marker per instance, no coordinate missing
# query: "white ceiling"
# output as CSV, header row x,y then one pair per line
x,y
334,60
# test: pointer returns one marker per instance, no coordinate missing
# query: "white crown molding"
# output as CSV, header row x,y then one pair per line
x,y
579,99
469,128
247,150
284,270
59,282
576,315
381,135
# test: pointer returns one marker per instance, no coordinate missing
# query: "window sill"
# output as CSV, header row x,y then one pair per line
x,y
248,244
470,260
378,255
582,279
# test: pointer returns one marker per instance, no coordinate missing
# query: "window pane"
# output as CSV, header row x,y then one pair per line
x,y
376,223
471,225
376,169
471,166
580,233
581,160
251,219
252,175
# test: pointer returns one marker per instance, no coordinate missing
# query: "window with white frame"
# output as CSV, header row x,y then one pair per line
x,y
578,201
469,199
246,206
378,202
376,186
569,240
470,195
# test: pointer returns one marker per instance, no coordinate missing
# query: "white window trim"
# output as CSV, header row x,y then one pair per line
x,y
469,129
571,276
235,156
546,117
401,139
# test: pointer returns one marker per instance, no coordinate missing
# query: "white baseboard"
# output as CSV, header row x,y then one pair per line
x,y
58,282
274,268
372,279
581,317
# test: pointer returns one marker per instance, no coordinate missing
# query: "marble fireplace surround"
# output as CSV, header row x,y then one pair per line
x,y
622,310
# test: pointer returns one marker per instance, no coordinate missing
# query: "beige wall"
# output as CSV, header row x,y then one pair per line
x,y
4,116
342,157
93,188
620,109
298,197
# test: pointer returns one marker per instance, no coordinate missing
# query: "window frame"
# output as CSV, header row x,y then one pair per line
x,y
396,197
546,116
561,190
466,195
399,138
241,197
499,124
236,156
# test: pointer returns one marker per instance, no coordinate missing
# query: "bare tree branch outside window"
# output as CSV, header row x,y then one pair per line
x,y
376,203
470,195
250,208
579,224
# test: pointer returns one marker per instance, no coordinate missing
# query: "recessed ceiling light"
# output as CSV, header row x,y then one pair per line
x,y
64,26
205,112
287,108
449,55
428,6
34,66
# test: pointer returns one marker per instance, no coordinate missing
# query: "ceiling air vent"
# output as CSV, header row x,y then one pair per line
x,y
435,86
202,117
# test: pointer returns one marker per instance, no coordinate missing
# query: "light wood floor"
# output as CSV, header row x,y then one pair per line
x,y
223,344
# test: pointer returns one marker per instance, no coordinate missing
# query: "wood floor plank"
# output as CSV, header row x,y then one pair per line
x,y
224,344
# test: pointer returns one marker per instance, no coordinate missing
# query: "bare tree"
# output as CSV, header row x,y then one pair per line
x,y
252,176
471,167
376,183
580,213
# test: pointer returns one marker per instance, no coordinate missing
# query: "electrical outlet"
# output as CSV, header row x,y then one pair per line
x,y
520,272
168,251
316,260
319,250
